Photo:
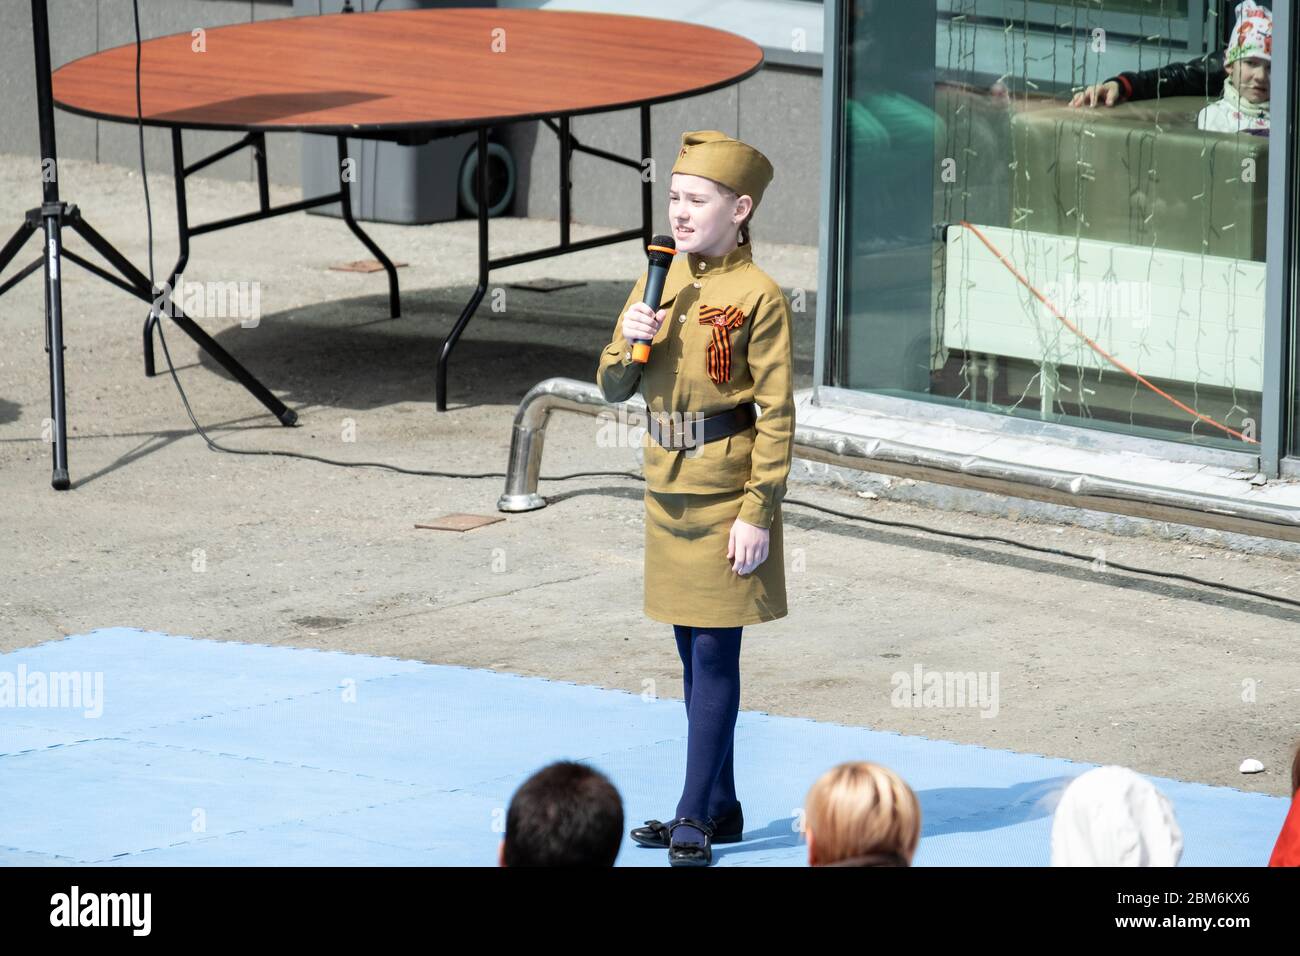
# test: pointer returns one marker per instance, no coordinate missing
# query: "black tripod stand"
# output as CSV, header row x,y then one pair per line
x,y
52,216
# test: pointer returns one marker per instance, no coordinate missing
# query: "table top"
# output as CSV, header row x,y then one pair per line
x,y
405,70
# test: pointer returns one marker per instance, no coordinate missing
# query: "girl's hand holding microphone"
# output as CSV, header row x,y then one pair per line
x,y
639,322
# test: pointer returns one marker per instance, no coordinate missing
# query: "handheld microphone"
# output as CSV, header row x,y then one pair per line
x,y
660,252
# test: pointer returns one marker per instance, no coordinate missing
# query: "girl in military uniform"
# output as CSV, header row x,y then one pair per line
x,y
718,385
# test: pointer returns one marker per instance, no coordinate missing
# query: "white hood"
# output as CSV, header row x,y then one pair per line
x,y
1112,816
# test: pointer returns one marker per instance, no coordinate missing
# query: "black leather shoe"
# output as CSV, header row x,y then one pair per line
x,y
730,827
727,829
690,854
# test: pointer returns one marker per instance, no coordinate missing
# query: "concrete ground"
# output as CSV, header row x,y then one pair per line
x,y
162,533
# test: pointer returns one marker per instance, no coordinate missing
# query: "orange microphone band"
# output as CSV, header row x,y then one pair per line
x,y
655,249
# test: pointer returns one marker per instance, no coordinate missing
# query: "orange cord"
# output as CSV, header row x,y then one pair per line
x,y
1095,347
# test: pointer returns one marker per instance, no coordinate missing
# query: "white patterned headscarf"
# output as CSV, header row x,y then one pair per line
x,y
1252,35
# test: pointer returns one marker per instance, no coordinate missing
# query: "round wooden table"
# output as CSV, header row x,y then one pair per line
x,y
407,76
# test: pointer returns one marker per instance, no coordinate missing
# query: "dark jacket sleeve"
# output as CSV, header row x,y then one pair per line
x,y
1203,76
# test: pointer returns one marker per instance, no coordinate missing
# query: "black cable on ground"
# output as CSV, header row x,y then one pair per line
x,y
1173,575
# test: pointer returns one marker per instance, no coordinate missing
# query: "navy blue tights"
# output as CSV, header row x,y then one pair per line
x,y
711,681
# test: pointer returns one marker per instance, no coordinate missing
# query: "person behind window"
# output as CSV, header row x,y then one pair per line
x,y
1203,76
1243,107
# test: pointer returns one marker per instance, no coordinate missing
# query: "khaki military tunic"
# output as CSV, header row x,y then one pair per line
x,y
727,340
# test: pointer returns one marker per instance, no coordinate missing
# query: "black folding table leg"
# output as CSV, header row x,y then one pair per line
x,y
287,416
263,184
566,179
394,296
480,190
183,237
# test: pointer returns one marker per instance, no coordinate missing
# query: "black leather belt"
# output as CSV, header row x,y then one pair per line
x,y
688,430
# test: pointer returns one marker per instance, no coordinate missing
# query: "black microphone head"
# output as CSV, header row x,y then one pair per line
x,y
661,250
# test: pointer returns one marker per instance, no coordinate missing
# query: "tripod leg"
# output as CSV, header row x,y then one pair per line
x,y
259,391
647,195
15,243
53,217
467,313
394,297
12,248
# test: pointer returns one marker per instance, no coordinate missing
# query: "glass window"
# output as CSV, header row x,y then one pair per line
x,y
1005,251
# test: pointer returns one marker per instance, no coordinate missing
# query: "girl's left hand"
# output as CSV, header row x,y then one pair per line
x,y
747,546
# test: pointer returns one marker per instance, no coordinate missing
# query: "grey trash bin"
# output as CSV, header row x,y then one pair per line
x,y
395,182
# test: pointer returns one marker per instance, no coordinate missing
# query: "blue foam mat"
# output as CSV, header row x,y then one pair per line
x,y
219,753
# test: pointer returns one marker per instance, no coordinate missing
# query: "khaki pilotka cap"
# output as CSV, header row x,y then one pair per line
x,y
717,156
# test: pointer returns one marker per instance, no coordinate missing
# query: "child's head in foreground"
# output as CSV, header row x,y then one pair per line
x,y
1248,57
863,813
1113,816
566,814
717,184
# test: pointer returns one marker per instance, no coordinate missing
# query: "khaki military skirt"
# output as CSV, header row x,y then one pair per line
x,y
689,579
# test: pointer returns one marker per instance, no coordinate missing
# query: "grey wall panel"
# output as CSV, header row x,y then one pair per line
x,y
284,150
780,114
73,34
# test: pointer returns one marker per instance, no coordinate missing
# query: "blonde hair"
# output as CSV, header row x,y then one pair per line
x,y
859,808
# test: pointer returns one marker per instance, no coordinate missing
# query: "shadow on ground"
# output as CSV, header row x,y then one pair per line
x,y
350,354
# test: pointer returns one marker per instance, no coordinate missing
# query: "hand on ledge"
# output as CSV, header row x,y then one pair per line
x,y
1103,94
